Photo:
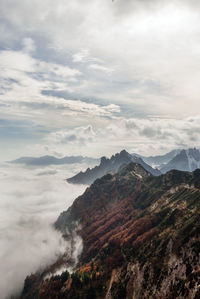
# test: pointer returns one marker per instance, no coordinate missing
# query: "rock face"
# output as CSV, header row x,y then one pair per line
x,y
186,160
109,165
141,239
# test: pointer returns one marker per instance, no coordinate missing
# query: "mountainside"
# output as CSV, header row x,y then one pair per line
x,y
160,159
109,165
186,160
51,160
141,239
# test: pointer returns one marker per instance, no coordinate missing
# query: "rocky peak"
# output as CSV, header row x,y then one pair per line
x,y
133,169
111,165
103,160
124,153
120,157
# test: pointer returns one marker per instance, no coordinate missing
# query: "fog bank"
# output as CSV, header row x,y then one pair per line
x,y
31,200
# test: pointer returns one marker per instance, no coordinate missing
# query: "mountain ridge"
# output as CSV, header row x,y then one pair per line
x,y
109,166
141,238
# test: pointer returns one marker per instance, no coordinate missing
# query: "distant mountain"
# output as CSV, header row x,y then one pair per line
x,y
51,160
186,160
109,165
159,160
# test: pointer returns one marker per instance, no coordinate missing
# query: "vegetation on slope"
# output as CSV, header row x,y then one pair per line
x,y
141,237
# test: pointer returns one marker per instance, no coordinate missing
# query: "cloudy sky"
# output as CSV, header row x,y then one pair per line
x,y
94,77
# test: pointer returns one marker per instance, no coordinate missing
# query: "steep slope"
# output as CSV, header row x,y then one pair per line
x,y
186,160
109,165
141,239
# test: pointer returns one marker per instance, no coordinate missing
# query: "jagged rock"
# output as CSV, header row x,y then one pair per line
x,y
109,165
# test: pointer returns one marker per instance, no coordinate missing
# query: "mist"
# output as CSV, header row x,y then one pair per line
x,y
31,201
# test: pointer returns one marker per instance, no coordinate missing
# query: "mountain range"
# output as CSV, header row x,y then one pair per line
x,y
185,160
109,166
141,239
51,160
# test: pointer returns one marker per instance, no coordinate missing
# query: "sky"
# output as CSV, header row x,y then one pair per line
x,y
91,78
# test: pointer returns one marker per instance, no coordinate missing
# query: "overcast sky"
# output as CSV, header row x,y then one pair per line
x,y
94,77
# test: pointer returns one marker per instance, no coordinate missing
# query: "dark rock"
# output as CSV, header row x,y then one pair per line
x,y
109,165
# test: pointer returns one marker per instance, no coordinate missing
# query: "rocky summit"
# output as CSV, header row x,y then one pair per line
x,y
111,165
141,239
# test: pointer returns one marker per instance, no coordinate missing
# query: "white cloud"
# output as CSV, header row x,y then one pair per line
x,y
29,206
143,136
62,71
127,59
81,56
77,136
28,45
100,67
16,65
153,45
24,79
150,55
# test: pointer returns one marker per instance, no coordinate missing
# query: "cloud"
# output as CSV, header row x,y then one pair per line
x,y
161,135
99,67
77,136
140,135
77,64
24,82
145,42
29,206
48,172
20,65
48,69
81,56
28,45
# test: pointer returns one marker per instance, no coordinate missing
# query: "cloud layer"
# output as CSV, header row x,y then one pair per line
x,y
30,203
137,135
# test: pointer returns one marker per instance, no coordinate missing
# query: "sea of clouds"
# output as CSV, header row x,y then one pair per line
x,y
30,202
